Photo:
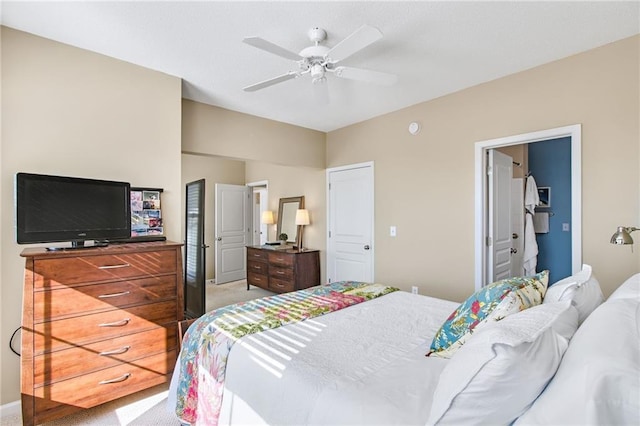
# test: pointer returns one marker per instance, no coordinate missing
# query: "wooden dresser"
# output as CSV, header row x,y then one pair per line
x,y
282,270
97,324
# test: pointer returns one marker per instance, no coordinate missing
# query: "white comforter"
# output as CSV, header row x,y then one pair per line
x,y
364,364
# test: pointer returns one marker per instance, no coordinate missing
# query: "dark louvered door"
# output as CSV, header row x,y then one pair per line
x,y
194,251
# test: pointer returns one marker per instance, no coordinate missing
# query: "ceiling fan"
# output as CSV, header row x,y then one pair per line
x,y
318,60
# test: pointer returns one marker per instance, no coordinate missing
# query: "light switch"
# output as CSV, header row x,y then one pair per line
x,y
392,231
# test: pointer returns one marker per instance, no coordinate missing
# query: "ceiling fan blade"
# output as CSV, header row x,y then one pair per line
x,y
271,48
366,75
288,76
361,38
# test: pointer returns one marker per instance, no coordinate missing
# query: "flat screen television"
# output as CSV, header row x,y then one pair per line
x,y
70,209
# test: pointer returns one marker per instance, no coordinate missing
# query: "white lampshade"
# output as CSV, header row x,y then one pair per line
x,y
267,217
302,217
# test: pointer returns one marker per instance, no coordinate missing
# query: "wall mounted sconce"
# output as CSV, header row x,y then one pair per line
x,y
623,235
302,220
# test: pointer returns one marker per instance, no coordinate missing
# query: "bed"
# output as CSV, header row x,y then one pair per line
x,y
362,360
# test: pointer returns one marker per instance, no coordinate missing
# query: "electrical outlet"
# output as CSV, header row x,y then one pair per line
x,y
414,289
392,231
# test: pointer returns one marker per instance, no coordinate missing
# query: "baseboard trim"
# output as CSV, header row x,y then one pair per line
x,y
10,409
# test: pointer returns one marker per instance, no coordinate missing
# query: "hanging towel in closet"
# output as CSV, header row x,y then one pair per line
x,y
531,198
541,222
530,256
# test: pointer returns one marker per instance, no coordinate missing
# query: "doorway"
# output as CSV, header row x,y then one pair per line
x,y
481,204
260,204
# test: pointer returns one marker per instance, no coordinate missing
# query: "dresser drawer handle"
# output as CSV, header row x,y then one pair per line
x,y
279,285
279,259
106,296
124,265
280,272
115,324
115,351
116,380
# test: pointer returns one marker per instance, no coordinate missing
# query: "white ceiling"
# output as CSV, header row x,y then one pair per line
x,y
435,48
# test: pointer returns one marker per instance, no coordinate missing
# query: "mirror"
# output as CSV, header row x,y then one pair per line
x,y
287,218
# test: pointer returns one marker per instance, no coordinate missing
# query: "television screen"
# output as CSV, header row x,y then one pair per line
x,y
60,208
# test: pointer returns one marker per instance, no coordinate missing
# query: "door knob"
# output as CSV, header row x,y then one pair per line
x,y
514,250
219,239
514,236
366,247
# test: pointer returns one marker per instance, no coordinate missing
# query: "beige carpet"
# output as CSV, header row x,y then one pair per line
x,y
145,408
219,295
149,407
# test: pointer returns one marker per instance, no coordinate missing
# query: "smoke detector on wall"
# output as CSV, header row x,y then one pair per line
x,y
414,128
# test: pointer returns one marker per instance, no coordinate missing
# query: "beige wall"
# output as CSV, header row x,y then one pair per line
x,y
291,159
213,170
287,181
71,112
425,183
217,131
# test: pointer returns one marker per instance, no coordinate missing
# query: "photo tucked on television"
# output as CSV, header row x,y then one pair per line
x,y
146,215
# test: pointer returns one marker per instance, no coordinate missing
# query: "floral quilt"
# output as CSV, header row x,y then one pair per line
x,y
207,343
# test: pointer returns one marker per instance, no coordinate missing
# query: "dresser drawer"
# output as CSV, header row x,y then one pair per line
x,y
284,259
257,267
283,273
67,301
256,254
104,385
60,365
86,269
280,286
54,335
258,280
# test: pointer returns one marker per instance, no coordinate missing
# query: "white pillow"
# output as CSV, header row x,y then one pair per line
x,y
496,375
630,289
598,381
583,289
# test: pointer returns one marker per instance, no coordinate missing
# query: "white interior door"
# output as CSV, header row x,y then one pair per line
x,y
350,250
233,231
499,176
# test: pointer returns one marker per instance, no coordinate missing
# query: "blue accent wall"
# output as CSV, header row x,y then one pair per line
x,y
550,165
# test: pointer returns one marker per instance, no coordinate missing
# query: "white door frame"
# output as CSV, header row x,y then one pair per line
x,y
373,202
575,133
263,187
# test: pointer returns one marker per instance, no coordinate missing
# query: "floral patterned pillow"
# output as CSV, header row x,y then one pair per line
x,y
491,303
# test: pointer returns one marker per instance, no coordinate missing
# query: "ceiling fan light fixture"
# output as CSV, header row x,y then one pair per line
x,y
317,73
317,59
